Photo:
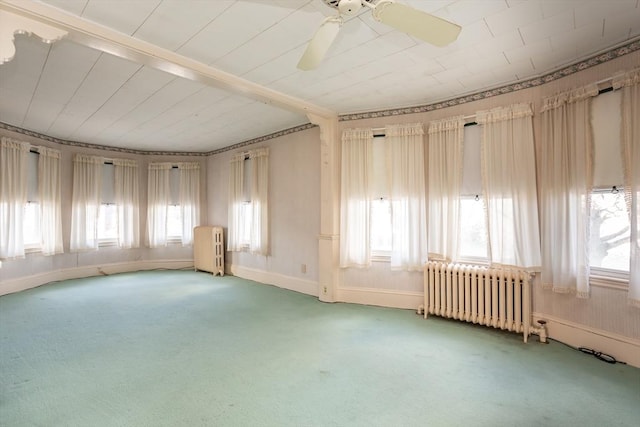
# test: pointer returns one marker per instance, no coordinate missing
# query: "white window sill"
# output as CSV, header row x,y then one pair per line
x,y
107,243
381,256
601,281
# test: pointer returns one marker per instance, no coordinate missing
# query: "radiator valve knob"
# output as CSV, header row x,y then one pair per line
x,y
543,331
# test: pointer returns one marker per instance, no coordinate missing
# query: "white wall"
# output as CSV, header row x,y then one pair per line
x,y
294,212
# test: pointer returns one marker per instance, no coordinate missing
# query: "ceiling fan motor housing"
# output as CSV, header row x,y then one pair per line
x,y
347,7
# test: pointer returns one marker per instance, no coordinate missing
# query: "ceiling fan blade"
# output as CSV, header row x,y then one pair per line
x,y
417,23
320,43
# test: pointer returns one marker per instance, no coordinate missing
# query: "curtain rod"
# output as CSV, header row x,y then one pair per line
x,y
471,117
602,84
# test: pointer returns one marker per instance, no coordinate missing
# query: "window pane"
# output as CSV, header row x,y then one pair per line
x,y
174,221
381,225
31,225
32,177
473,229
108,222
245,224
379,174
610,236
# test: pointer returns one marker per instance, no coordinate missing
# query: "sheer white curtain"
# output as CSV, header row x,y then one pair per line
x,y
630,137
85,205
509,177
408,194
445,175
158,190
13,196
127,198
357,145
259,239
236,200
566,177
189,199
50,200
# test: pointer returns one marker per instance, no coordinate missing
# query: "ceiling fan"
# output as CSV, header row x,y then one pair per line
x,y
414,22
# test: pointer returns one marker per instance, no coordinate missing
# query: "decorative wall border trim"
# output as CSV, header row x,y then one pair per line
x,y
513,87
601,58
263,138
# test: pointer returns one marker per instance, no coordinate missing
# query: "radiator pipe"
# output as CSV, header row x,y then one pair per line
x,y
541,331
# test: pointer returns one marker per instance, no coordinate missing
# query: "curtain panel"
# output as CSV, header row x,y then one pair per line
x,y
236,199
49,187
13,196
253,195
445,147
356,166
127,199
85,205
509,178
158,189
566,181
408,196
259,238
629,84
189,199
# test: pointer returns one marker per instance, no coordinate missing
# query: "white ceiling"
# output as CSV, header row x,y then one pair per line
x,y
73,92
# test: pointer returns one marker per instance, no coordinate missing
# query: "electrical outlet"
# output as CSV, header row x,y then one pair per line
x,y
303,268
324,289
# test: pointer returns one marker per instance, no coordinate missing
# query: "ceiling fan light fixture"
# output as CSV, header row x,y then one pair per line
x,y
349,7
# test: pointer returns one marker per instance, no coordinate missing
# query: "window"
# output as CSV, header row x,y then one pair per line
x,y
104,204
174,215
108,212
30,208
609,240
173,203
473,243
380,206
248,202
31,221
245,207
610,231
376,216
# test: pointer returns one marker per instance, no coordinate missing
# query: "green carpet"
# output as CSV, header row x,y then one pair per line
x,y
179,348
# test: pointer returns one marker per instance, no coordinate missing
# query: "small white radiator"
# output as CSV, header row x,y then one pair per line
x,y
208,249
494,297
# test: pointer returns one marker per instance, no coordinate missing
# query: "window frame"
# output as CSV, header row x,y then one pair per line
x,y
246,221
381,255
471,259
478,195
602,276
106,241
32,247
174,238
33,193
599,276
382,181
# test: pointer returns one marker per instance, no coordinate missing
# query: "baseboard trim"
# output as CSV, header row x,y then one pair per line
x,y
35,280
380,297
296,284
623,348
